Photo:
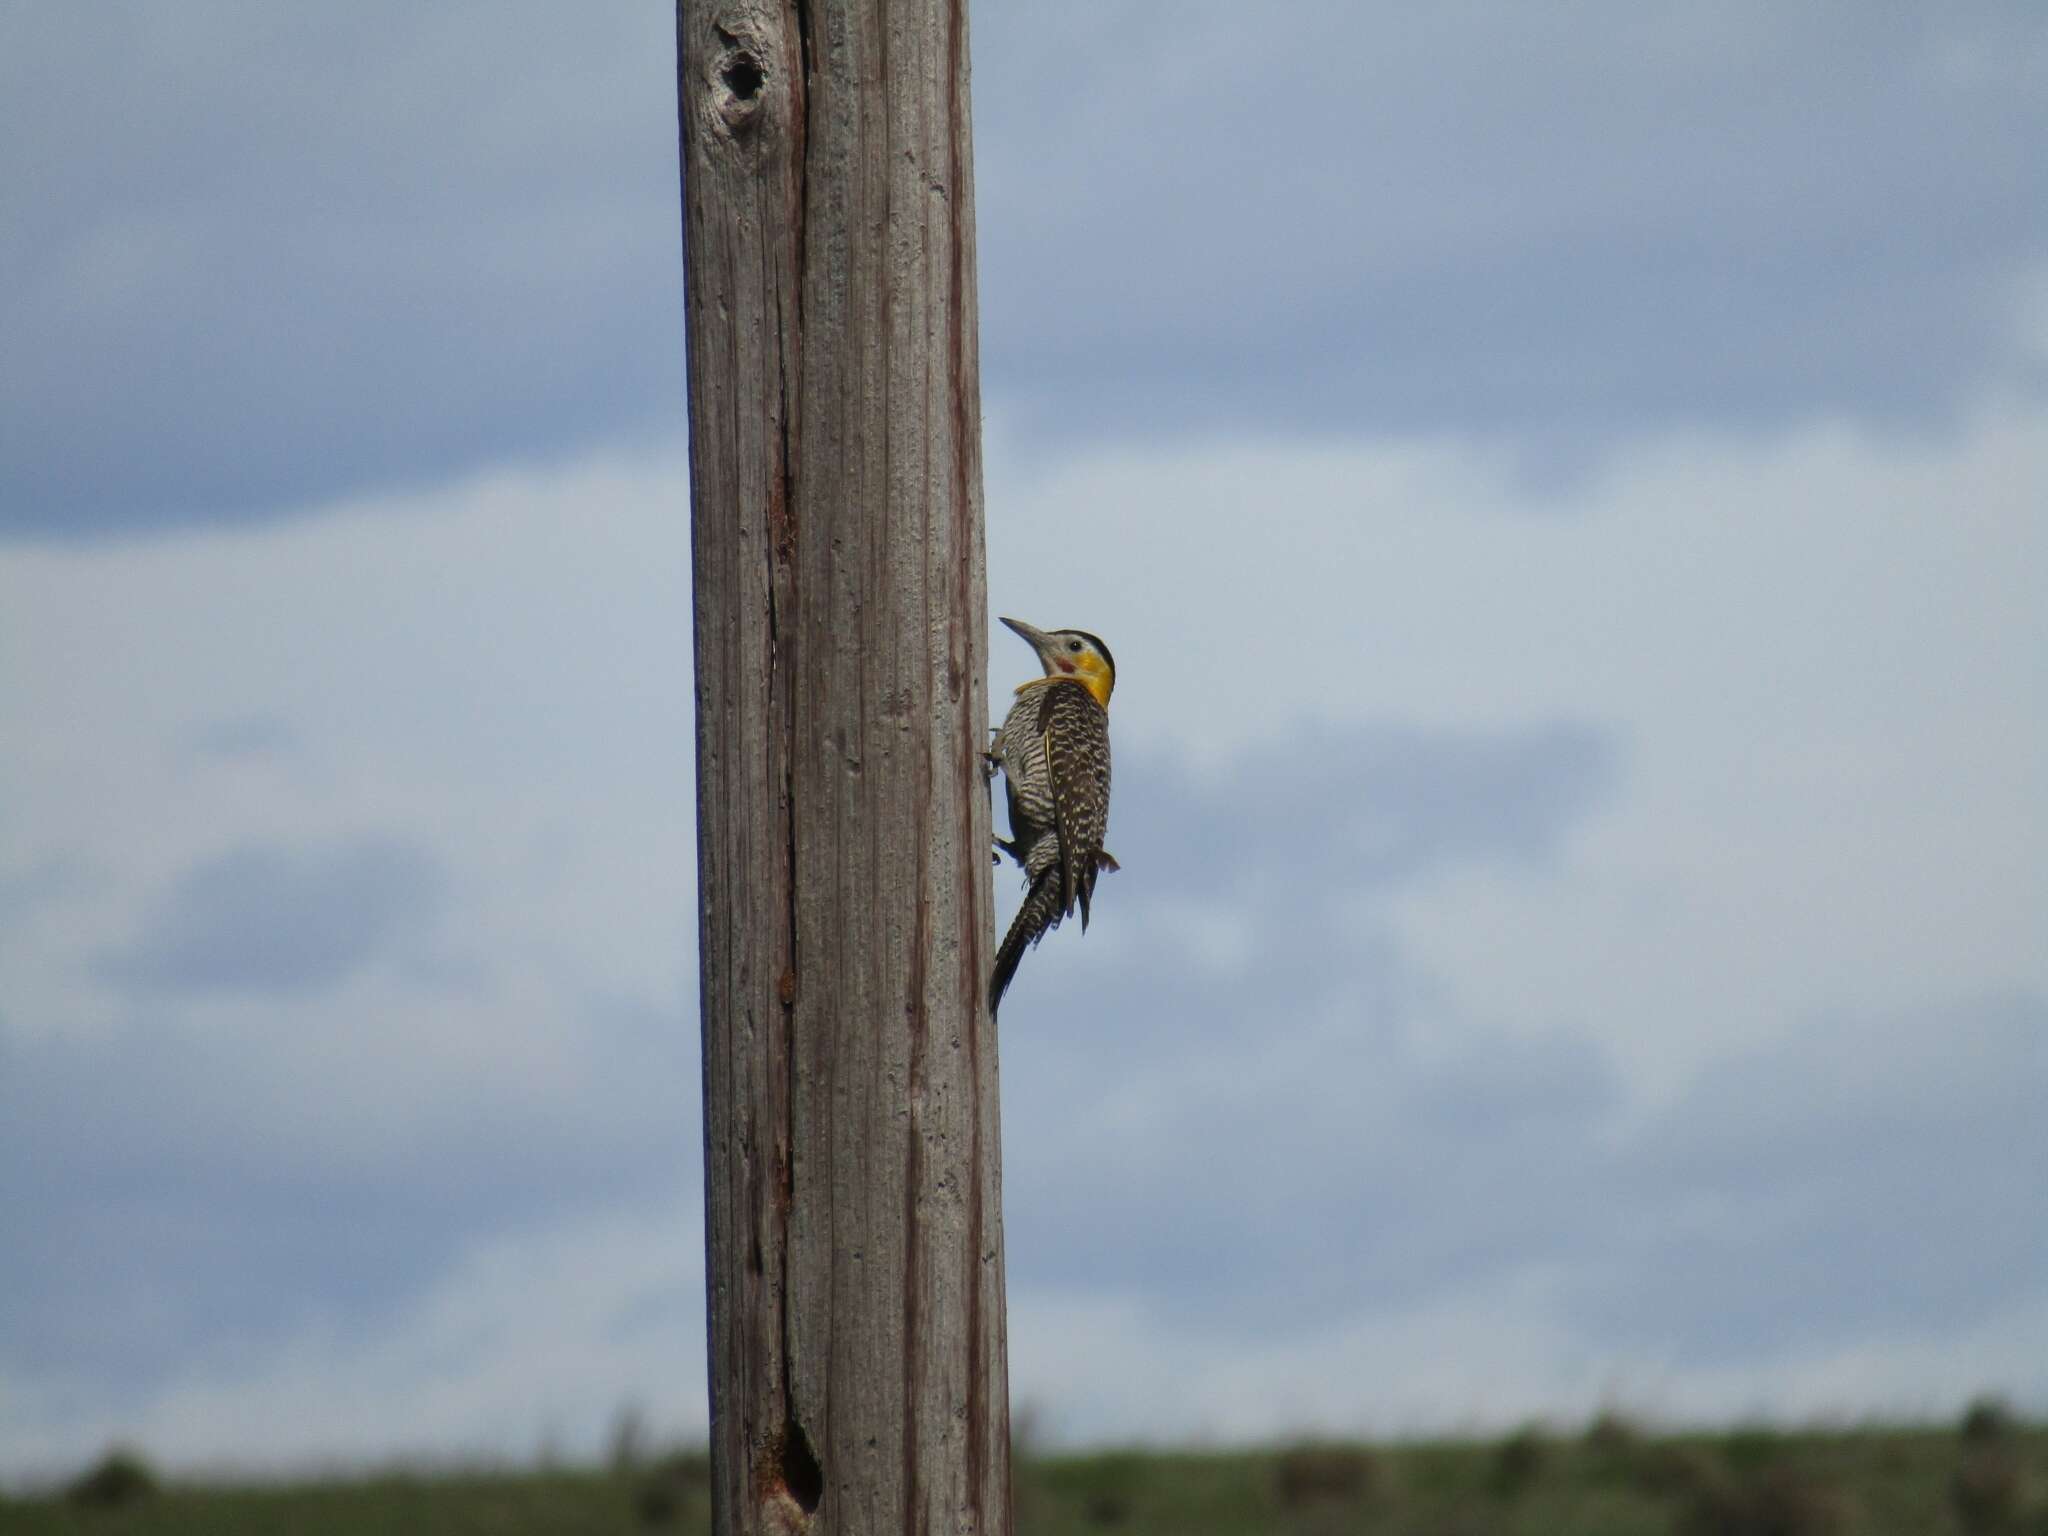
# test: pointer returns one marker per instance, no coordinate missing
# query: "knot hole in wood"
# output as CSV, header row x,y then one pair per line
x,y
739,80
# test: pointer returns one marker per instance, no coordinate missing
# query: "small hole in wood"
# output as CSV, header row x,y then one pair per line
x,y
742,76
801,1474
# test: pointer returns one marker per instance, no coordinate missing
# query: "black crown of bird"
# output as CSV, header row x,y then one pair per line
x,y
1053,750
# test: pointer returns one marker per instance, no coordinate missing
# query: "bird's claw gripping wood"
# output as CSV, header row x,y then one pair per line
x,y
1053,748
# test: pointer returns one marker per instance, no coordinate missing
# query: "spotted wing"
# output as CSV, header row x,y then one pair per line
x,y
1074,732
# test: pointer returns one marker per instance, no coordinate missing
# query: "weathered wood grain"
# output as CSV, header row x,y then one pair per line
x,y
852,1139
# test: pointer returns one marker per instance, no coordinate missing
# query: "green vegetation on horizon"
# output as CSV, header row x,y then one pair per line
x,y
1987,1475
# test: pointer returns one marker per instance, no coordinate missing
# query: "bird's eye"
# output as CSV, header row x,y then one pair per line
x,y
1073,645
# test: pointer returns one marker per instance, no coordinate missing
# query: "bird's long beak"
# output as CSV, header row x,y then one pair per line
x,y
1035,636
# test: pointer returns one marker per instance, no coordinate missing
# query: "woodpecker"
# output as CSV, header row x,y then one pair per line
x,y
1053,749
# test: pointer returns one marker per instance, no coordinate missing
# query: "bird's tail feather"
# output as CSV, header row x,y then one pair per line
x,y
1085,889
1039,915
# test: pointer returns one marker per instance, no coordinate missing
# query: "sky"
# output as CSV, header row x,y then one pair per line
x,y
1568,489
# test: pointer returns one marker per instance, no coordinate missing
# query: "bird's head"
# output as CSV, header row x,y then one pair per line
x,y
1072,653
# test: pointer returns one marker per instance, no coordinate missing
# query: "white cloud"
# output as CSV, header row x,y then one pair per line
x,y
534,1339
1822,654
1106,1367
496,673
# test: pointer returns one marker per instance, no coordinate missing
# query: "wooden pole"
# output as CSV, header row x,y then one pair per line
x,y
852,1141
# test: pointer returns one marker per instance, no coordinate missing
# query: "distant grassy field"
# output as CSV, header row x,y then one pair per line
x,y
1988,1475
